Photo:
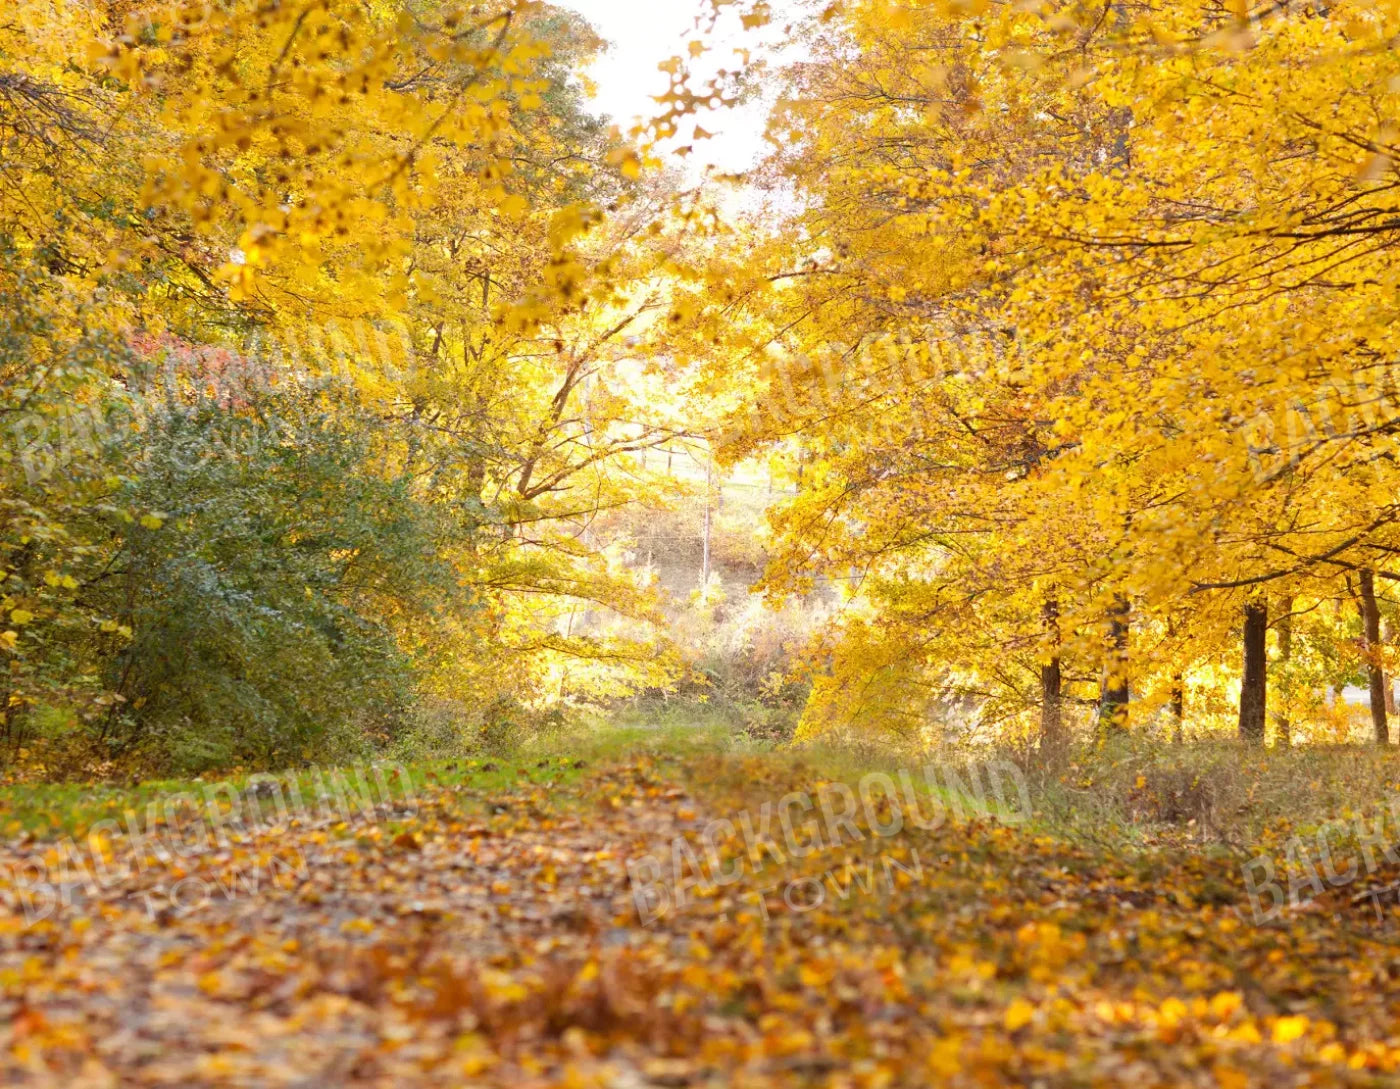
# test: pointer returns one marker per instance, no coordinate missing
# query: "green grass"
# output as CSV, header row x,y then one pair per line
x,y
705,751
1132,796
54,810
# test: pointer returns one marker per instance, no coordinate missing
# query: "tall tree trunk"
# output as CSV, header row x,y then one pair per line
x,y
1283,725
1178,708
1051,682
1371,623
1254,690
1113,702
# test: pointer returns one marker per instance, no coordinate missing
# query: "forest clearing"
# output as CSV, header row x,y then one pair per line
x,y
727,542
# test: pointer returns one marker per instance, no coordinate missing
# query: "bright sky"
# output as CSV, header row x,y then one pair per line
x,y
644,33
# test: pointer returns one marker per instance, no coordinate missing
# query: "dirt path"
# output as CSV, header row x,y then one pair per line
x,y
446,947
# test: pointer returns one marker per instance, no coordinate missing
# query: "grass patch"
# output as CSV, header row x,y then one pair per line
x,y
1132,795
1139,794
54,810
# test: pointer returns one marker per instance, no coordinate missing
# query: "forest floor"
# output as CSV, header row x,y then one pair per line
x,y
622,920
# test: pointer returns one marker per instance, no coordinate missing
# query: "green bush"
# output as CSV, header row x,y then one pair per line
x,y
259,608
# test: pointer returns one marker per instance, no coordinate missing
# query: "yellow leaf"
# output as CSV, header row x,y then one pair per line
x,y
1230,1078
627,161
1288,1029
1225,1004
1018,1014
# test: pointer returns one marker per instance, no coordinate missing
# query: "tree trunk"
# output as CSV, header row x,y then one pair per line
x,y
1178,708
1113,702
1051,682
1283,725
1371,622
1254,689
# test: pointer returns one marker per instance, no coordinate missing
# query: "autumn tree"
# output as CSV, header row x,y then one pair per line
x,y
1160,381
406,213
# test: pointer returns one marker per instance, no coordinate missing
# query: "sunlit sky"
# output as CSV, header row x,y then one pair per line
x,y
643,33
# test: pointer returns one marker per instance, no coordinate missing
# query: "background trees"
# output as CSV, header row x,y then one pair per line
x,y
1090,316
347,329
314,373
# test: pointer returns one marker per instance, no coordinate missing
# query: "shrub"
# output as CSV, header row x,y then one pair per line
x,y
250,607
